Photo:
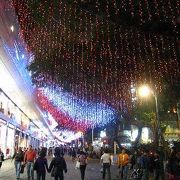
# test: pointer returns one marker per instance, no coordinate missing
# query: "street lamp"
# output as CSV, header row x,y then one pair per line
x,y
145,91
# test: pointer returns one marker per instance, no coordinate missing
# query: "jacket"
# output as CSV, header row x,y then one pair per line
x,y
18,156
123,159
59,164
41,165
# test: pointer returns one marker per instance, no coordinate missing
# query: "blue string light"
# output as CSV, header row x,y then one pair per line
x,y
77,109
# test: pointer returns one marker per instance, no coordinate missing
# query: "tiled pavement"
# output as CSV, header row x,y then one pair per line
x,y
7,171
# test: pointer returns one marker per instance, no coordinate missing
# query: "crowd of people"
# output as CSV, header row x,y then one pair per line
x,y
141,164
35,160
144,165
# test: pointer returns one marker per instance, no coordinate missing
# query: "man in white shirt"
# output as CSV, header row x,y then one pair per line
x,y
106,161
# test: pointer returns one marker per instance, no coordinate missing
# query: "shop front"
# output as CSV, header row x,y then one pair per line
x,y
16,128
7,138
3,130
35,143
23,137
23,141
10,142
17,137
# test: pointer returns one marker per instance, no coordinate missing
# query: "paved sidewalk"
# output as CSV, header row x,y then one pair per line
x,y
7,171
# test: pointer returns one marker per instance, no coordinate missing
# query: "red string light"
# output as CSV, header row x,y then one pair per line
x,y
93,57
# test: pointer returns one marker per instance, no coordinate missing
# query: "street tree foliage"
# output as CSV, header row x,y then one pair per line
x,y
144,113
96,50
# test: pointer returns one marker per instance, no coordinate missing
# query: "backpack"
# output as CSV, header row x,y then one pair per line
x,y
35,167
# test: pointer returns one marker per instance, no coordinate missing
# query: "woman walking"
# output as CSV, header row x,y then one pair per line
x,y
18,156
41,166
82,158
73,155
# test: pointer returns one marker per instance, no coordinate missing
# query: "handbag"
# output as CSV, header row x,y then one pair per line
x,y
77,164
35,167
22,168
53,172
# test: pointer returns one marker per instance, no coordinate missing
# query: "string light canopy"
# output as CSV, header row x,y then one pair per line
x,y
92,52
73,113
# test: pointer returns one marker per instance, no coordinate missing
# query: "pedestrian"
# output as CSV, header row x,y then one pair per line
x,y
73,154
29,159
133,159
173,166
18,160
82,158
123,160
145,163
157,166
106,161
41,166
1,158
58,165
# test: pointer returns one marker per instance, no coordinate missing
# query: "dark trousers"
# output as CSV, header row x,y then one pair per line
x,y
124,172
106,166
41,176
59,176
159,174
0,164
82,170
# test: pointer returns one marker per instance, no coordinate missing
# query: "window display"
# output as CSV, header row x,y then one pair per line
x,y
3,135
10,141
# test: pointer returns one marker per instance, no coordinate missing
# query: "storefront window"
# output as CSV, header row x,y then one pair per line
x,y
10,141
17,138
3,128
15,134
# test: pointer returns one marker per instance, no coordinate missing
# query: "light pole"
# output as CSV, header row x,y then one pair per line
x,y
83,140
145,91
92,135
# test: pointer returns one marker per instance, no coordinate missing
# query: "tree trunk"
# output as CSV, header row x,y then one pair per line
x,y
156,137
178,115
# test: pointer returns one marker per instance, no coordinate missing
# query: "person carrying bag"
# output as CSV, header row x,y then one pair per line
x,y
57,166
82,158
18,156
106,161
77,164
